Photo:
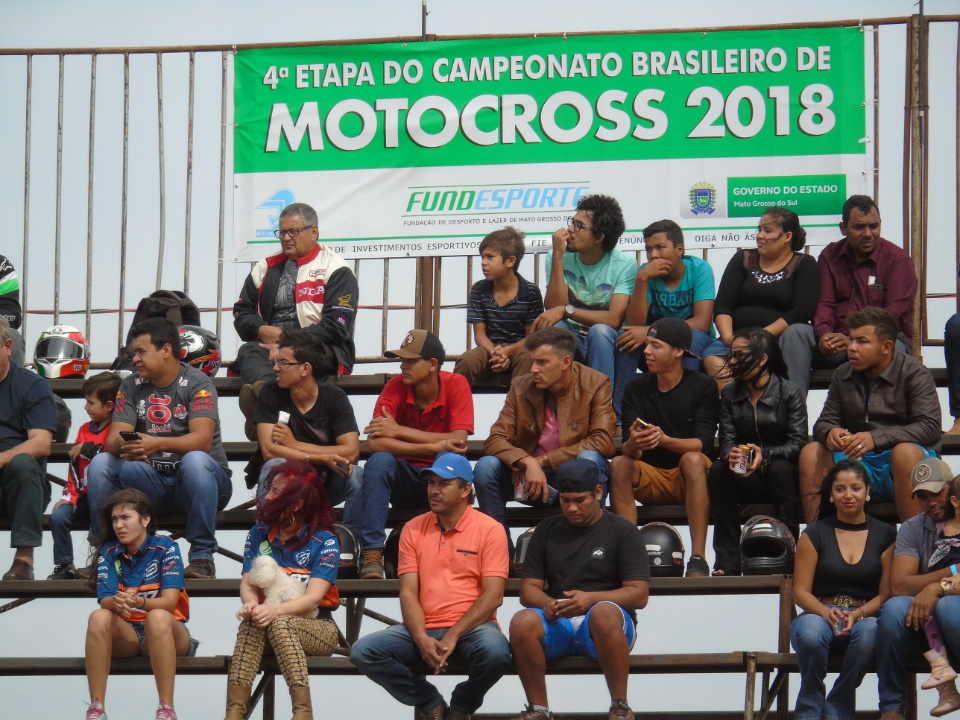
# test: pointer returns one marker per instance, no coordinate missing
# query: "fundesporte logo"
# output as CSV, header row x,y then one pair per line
x,y
274,205
703,198
494,197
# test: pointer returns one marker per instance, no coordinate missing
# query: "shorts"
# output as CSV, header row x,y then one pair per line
x,y
139,630
716,349
571,636
661,486
877,465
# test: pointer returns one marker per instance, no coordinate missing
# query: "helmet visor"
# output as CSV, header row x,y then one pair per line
x,y
52,348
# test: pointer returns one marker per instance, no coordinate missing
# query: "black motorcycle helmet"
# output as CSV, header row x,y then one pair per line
x,y
767,547
664,549
349,553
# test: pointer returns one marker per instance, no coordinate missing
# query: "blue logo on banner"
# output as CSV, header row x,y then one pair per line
x,y
703,197
276,203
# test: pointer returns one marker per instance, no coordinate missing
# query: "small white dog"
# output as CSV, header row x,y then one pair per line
x,y
276,585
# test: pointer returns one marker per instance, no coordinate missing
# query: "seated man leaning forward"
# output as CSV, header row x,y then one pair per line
x,y
422,412
585,574
882,409
28,419
561,410
299,417
308,286
915,590
670,417
165,442
448,599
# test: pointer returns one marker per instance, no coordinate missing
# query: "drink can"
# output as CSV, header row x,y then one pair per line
x,y
746,460
520,492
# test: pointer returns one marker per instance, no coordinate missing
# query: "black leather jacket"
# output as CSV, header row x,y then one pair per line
x,y
778,425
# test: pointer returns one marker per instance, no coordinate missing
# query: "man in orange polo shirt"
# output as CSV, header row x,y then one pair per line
x,y
452,569
421,413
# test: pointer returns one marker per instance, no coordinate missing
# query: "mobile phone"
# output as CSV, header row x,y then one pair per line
x,y
642,423
283,417
561,601
129,435
343,468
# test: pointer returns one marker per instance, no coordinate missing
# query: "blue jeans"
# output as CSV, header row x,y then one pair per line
x,y
601,354
493,484
895,641
64,519
813,640
339,489
388,655
951,352
386,479
200,488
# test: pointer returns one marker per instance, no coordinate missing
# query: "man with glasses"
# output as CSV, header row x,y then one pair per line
x,y
589,284
299,418
305,286
422,412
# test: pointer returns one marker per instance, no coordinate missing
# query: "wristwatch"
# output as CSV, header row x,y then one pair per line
x,y
569,309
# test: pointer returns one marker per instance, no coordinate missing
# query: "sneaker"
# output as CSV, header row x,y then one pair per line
x,y
83,573
248,405
95,710
531,714
696,567
63,571
440,711
165,712
200,570
372,568
619,710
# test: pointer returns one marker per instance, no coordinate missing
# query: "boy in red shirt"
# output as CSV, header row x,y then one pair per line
x,y
72,510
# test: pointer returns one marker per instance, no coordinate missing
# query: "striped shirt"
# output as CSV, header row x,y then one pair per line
x,y
505,324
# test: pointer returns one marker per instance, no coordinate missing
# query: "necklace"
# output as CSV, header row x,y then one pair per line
x,y
841,525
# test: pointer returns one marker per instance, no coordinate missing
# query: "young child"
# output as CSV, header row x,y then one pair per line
x,y
502,308
72,510
946,554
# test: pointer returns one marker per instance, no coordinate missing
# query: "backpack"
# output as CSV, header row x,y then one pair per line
x,y
173,305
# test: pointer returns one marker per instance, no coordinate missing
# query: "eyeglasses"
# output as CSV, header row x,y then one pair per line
x,y
286,363
292,233
577,225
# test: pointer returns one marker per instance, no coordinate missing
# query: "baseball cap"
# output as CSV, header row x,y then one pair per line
x,y
673,331
419,344
584,475
450,466
930,474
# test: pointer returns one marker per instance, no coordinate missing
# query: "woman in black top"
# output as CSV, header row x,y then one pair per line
x,y
841,578
771,287
760,409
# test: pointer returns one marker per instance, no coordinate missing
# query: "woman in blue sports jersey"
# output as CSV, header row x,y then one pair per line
x,y
143,606
295,527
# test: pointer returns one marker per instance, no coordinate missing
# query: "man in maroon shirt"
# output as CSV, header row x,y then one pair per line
x,y
862,270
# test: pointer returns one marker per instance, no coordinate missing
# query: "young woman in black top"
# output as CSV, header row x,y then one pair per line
x,y
771,287
841,578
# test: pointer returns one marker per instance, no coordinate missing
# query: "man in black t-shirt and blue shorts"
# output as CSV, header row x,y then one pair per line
x,y
585,575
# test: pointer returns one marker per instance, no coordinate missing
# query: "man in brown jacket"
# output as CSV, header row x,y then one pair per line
x,y
561,410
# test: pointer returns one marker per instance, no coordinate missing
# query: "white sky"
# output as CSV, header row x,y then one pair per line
x,y
56,627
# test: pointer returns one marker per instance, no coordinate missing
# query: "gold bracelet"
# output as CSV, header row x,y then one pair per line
x,y
862,616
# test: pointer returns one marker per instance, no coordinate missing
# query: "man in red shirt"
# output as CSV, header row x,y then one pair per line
x,y
453,570
422,412
862,270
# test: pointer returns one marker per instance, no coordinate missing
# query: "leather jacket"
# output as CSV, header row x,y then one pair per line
x,y
585,418
778,424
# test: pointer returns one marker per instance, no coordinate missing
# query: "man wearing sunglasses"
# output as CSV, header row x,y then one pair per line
x,y
589,284
306,286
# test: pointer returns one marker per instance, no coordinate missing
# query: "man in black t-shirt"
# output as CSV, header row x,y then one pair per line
x,y
669,423
299,418
585,575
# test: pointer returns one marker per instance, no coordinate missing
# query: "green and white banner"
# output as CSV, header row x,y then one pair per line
x,y
424,148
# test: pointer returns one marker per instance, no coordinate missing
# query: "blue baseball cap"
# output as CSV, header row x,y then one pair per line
x,y
450,466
